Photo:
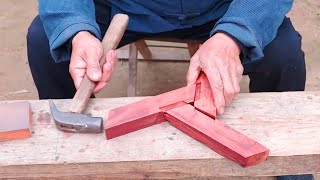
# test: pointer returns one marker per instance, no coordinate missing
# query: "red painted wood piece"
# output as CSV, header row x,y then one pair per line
x,y
145,113
217,136
15,121
196,120
204,101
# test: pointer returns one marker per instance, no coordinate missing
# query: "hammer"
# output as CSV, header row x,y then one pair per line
x,y
74,120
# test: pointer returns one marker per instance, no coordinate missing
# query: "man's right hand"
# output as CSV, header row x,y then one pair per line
x,y
87,51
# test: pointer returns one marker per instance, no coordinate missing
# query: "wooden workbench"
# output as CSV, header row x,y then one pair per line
x,y
287,123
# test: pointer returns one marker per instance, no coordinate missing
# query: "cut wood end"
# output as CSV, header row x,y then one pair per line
x,y
12,135
256,159
118,128
217,136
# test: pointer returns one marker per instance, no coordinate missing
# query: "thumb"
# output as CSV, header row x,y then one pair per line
x,y
194,70
93,69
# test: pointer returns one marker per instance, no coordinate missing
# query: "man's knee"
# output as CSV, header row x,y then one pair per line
x,y
283,66
35,30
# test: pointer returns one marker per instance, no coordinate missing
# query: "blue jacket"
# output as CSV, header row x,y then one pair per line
x,y
254,23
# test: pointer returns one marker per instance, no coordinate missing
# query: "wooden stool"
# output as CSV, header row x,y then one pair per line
x,y
142,47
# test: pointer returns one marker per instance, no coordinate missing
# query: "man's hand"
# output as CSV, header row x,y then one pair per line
x,y
219,58
87,51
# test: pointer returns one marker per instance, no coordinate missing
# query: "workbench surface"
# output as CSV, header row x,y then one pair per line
x,y
286,123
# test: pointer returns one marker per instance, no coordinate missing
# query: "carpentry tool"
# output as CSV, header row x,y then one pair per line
x,y
72,121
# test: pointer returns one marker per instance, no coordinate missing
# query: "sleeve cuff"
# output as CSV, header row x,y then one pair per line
x,y
251,50
244,50
60,43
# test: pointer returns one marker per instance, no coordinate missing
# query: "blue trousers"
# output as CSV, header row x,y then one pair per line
x,y
281,69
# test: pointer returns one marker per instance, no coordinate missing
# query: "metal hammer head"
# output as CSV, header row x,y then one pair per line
x,y
73,122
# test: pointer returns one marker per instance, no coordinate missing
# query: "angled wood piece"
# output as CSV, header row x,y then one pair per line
x,y
142,47
145,113
204,101
217,136
15,121
193,48
133,65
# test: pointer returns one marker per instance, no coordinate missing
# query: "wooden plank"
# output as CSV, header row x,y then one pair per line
x,y
217,136
287,123
133,61
145,113
166,44
159,53
143,49
171,40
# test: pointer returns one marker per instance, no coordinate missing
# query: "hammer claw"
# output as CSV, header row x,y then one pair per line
x,y
74,122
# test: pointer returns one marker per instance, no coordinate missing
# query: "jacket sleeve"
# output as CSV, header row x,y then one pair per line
x,y
254,24
62,19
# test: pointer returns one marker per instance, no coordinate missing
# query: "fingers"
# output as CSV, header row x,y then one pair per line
x,y
93,56
217,87
219,59
86,53
226,76
77,69
194,70
234,82
231,76
111,60
239,68
237,75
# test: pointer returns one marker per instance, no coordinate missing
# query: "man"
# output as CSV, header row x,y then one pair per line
x,y
239,37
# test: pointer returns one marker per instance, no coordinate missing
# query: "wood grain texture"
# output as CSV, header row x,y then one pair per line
x,y
142,114
15,121
133,68
159,54
287,123
217,136
204,101
143,49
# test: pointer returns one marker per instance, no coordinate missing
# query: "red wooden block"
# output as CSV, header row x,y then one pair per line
x,y
204,101
145,113
15,121
217,136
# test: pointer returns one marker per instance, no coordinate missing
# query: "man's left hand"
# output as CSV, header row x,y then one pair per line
x,y
219,58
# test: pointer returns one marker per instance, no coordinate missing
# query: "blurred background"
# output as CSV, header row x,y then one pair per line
x,y
154,77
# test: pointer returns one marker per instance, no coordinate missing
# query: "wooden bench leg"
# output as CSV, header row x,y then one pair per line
x,y
143,49
132,80
193,48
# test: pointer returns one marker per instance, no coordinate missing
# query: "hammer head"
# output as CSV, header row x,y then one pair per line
x,y
73,122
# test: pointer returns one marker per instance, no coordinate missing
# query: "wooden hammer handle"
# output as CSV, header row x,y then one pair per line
x,y
110,41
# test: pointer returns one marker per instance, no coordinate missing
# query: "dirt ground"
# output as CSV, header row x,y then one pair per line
x,y
153,77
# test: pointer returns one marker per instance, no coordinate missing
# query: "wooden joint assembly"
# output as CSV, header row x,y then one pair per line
x,y
190,109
